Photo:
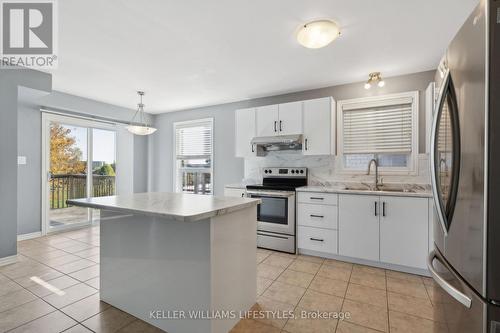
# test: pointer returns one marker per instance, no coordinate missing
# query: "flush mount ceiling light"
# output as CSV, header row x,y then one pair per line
x,y
141,128
375,77
318,34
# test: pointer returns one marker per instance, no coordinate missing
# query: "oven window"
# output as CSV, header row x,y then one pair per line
x,y
272,210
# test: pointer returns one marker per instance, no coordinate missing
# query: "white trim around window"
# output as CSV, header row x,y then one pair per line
x,y
191,123
411,97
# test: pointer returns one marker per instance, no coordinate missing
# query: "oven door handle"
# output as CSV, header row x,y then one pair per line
x,y
259,194
452,291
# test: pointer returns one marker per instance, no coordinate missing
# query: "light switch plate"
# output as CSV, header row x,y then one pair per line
x,y
21,160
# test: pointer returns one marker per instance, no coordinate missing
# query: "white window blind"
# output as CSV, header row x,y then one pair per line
x,y
379,128
194,139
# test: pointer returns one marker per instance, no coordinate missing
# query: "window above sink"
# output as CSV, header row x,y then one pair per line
x,y
384,128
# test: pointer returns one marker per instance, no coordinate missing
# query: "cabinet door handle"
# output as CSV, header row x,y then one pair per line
x,y
280,126
251,145
375,208
243,194
307,147
383,208
275,125
317,239
319,216
316,198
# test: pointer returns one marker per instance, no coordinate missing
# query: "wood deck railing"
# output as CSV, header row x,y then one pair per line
x,y
72,186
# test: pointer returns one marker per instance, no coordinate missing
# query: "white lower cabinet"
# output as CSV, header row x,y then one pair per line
x,y
318,216
359,226
317,219
404,230
317,239
390,231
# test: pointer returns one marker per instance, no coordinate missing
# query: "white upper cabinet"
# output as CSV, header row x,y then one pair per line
x,y
267,120
245,132
314,119
404,231
290,118
319,126
359,226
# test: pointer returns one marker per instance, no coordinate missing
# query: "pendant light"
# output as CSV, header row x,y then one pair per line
x,y
142,128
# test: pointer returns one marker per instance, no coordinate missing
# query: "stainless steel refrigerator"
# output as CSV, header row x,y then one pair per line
x,y
465,174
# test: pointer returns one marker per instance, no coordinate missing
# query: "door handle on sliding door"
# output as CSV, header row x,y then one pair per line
x,y
452,291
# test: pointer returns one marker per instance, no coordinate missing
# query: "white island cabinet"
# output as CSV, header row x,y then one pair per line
x,y
168,257
388,230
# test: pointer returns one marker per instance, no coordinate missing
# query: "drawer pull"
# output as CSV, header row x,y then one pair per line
x,y
316,198
319,216
317,239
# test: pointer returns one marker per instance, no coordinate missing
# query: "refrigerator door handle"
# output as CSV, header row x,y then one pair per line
x,y
432,150
452,291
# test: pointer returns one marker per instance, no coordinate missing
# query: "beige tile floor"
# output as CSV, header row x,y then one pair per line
x,y
378,300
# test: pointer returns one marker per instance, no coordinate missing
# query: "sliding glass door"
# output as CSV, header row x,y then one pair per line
x,y
103,165
80,162
67,174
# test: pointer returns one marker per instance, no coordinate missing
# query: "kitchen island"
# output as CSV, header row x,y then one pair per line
x,y
181,262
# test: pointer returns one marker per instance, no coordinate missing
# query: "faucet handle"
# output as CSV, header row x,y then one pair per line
x,y
381,182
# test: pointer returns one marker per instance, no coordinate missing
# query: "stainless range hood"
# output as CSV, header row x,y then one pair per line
x,y
264,144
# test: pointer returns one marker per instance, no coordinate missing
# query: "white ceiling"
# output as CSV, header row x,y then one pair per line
x,y
192,53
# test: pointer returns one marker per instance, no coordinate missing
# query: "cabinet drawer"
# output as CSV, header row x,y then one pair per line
x,y
317,198
319,216
317,239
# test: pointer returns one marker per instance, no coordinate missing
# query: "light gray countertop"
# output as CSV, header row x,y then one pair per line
x,y
177,206
237,186
342,190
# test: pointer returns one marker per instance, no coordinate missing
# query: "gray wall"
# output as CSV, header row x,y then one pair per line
x,y
29,145
140,163
229,169
10,80
28,183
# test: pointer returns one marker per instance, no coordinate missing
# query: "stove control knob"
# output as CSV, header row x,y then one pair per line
x,y
265,171
296,171
270,171
293,171
301,171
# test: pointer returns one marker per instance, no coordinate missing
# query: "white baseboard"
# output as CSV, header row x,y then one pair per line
x,y
29,236
8,260
405,269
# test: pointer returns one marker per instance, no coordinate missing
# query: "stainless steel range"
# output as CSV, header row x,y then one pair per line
x,y
276,227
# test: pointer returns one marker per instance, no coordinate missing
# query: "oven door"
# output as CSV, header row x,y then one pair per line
x,y
276,212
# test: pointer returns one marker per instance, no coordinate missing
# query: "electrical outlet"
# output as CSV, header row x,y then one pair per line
x,y
21,160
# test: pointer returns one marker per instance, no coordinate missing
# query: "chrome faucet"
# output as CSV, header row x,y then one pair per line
x,y
373,160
